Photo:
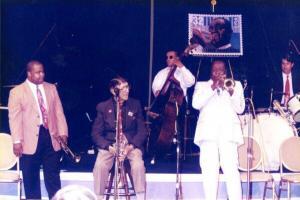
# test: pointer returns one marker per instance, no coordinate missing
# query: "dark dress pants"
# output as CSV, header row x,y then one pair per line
x,y
30,165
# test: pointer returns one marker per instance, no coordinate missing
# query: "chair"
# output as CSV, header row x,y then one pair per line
x,y
7,161
255,162
124,174
289,158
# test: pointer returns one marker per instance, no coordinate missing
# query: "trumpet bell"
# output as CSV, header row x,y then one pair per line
x,y
229,83
77,159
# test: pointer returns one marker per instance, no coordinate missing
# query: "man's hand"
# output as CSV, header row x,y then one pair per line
x,y
112,150
157,93
63,138
215,85
205,37
127,150
18,149
178,63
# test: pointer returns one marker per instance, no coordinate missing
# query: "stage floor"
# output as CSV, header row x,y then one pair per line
x,y
161,179
159,186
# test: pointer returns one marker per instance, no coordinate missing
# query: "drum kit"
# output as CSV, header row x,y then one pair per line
x,y
269,128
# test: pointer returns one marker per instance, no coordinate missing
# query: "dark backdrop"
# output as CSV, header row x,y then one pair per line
x,y
83,44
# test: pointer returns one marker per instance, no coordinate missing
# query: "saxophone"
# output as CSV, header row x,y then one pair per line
x,y
120,146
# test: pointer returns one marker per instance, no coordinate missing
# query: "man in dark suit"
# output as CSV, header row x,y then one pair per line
x,y
37,124
132,130
287,82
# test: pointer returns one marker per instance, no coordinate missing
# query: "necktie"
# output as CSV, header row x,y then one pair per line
x,y
42,107
287,90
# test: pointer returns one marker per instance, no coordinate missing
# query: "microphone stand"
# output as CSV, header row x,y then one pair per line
x,y
178,194
249,149
271,101
186,119
117,146
251,117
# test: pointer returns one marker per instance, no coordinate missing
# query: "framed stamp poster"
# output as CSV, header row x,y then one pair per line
x,y
215,35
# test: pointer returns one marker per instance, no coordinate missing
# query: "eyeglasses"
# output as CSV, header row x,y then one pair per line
x,y
170,57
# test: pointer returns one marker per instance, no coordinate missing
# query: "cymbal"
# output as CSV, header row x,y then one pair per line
x,y
9,86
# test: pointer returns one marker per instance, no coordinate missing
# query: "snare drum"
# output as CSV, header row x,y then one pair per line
x,y
294,106
269,130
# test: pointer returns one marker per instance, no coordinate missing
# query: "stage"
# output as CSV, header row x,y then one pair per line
x,y
159,186
161,179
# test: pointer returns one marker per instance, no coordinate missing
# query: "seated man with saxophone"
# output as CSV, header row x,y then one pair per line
x,y
131,127
218,131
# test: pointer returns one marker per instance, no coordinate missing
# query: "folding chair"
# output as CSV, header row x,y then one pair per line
x,y
7,161
289,158
253,164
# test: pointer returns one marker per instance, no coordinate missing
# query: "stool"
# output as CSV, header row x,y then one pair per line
x,y
123,187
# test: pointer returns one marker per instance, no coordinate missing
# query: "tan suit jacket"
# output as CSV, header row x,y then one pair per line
x,y
24,116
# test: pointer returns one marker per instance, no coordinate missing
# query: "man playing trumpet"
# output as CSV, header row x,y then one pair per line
x,y
218,131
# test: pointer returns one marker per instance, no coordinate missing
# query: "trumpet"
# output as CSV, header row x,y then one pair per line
x,y
226,83
76,158
229,83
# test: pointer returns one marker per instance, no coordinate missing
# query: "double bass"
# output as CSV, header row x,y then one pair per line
x,y
164,112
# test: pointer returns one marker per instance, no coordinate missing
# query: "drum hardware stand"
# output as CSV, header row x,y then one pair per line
x,y
270,109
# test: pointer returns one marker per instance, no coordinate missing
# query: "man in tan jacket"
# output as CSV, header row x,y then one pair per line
x,y
37,124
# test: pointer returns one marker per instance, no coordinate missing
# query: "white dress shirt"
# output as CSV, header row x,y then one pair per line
x,y
284,77
182,74
218,120
34,92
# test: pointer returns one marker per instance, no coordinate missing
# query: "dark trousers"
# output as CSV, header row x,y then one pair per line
x,y
30,165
